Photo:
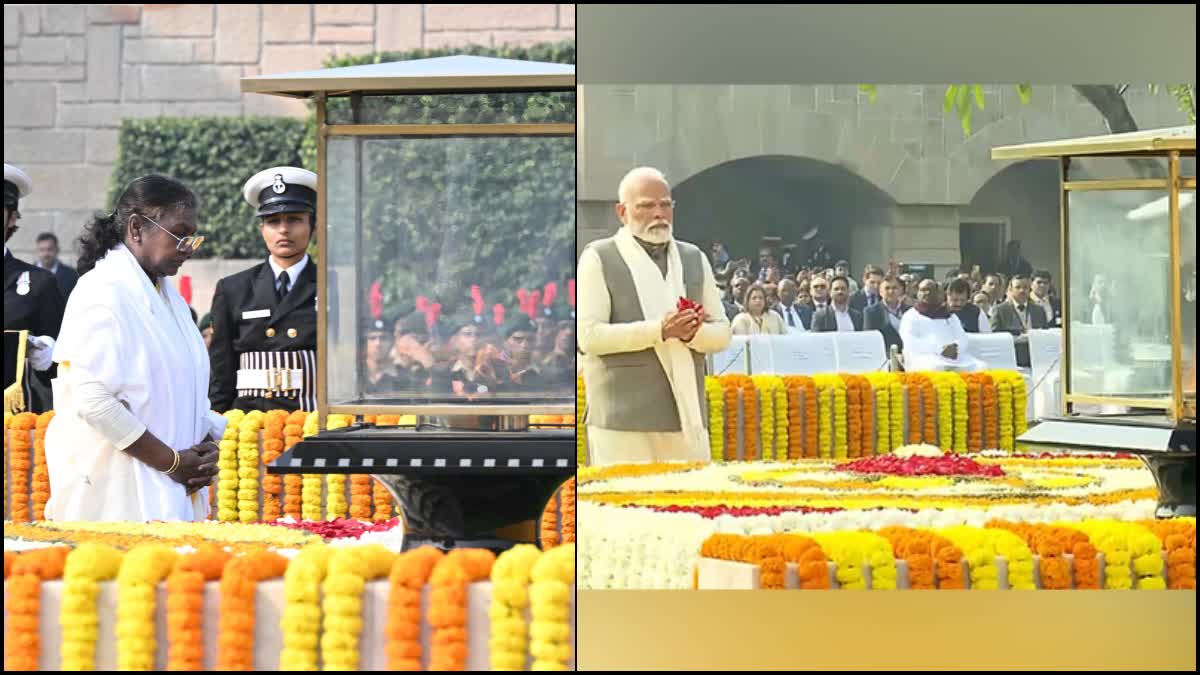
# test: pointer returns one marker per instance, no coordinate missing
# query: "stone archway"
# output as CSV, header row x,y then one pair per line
x,y
741,201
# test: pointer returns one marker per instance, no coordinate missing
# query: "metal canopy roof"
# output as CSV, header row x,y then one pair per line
x,y
1160,141
447,73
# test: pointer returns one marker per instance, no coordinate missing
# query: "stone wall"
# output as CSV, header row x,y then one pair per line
x,y
73,72
903,145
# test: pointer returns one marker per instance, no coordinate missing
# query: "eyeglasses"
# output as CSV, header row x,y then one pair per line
x,y
646,205
186,244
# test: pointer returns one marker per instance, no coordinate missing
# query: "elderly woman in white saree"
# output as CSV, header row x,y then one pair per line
x,y
133,434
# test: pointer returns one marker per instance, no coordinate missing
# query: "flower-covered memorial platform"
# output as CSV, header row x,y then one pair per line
x,y
916,518
304,574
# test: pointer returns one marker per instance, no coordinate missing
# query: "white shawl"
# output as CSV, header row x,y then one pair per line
x,y
658,297
139,343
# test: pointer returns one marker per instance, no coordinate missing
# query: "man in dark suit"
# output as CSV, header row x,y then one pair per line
x,y
47,245
868,295
837,316
264,319
1019,316
33,303
796,317
1040,296
884,316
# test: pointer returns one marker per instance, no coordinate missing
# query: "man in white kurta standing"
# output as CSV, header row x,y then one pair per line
x,y
642,358
933,336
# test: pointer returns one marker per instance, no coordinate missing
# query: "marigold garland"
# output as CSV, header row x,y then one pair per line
x,y
915,551
913,390
868,403
752,441
824,417
730,384
944,410
509,638
227,465
945,559
409,574
235,627
781,420
959,387
715,397
448,603
349,571
974,411
360,496
247,454
19,464
86,566
142,569
991,411
1126,546
301,620
568,511
980,555
549,522
273,447
883,417
185,605
550,596
311,483
335,483
803,438
853,419
580,427
41,478
7,423
1178,537
23,587
293,432
1004,403
851,551
896,401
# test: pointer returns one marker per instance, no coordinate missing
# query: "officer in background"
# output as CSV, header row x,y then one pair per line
x,y
32,303
264,319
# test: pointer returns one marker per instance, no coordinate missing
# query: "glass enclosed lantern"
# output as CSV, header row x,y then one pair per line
x,y
1128,352
445,266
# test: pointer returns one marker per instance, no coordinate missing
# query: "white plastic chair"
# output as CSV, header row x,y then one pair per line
x,y
861,352
1045,351
996,350
805,354
734,360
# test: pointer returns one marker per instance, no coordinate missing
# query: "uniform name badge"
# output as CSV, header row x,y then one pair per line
x,y
256,314
23,284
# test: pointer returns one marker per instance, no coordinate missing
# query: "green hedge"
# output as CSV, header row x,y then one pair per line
x,y
215,157
523,236
498,245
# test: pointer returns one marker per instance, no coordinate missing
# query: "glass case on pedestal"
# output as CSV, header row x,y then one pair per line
x,y
1129,331
446,221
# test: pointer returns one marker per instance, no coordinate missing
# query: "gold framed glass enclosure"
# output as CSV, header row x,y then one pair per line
x,y
1128,255
434,176
1128,269
414,159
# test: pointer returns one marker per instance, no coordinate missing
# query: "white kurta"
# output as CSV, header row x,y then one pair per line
x,y
925,339
131,361
598,337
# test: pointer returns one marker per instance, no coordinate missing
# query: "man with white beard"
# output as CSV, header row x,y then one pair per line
x,y
643,358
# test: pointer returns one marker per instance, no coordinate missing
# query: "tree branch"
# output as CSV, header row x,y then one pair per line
x,y
1107,100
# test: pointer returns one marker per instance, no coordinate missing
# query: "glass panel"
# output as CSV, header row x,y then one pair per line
x,y
1187,226
496,108
425,221
1100,168
1120,293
